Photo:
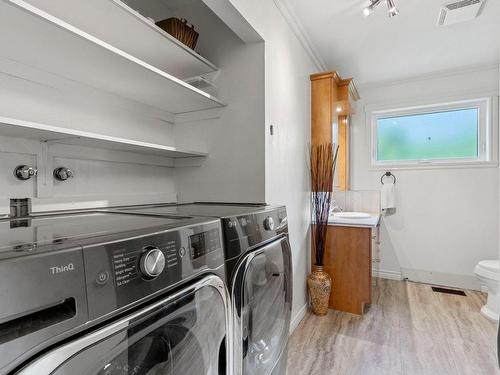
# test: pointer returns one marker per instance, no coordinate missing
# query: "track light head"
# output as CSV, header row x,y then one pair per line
x,y
393,11
369,9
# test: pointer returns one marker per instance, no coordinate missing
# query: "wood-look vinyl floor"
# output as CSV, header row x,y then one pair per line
x,y
409,329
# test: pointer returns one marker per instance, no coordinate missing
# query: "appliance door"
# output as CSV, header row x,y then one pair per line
x,y
183,334
262,301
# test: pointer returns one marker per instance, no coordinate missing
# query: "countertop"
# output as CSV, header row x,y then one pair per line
x,y
369,222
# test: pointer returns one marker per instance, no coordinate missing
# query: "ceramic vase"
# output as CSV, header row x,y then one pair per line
x,y
319,284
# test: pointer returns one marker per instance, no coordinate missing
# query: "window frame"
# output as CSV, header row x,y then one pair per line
x,y
487,144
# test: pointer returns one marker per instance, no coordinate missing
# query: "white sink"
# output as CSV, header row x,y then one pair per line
x,y
351,215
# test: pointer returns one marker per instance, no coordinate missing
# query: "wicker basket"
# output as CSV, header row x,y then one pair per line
x,y
181,30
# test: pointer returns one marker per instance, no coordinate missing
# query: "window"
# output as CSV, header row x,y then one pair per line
x,y
440,134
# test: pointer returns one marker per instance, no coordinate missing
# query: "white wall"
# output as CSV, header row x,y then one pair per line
x,y
288,109
235,169
446,219
499,177
101,177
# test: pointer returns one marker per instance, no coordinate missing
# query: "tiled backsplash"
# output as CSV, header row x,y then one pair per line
x,y
359,200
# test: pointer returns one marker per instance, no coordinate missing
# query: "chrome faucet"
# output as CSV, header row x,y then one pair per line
x,y
335,207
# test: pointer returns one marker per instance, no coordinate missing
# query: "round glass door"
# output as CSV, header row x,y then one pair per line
x,y
265,308
184,336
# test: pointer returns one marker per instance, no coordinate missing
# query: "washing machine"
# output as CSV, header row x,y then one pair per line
x,y
259,276
113,293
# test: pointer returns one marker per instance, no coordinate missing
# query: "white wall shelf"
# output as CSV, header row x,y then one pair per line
x,y
54,134
114,22
35,38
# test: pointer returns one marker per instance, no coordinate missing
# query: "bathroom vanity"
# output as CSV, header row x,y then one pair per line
x,y
352,248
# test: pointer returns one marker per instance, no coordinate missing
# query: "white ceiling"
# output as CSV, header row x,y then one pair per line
x,y
377,48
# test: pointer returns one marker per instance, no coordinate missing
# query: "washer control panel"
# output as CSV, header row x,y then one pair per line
x,y
151,262
245,231
204,243
269,223
144,263
123,272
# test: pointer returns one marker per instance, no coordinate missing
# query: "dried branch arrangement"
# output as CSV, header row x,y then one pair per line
x,y
323,159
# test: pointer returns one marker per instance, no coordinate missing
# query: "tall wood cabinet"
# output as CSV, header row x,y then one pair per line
x,y
332,101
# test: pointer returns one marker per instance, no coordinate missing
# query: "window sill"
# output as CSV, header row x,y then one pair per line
x,y
437,165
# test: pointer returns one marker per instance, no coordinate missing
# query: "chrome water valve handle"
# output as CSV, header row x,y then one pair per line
x,y
25,172
63,174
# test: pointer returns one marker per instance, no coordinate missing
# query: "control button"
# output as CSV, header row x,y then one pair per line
x,y
182,252
102,278
152,262
243,222
269,223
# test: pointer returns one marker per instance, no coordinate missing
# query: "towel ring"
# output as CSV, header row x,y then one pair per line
x,y
387,174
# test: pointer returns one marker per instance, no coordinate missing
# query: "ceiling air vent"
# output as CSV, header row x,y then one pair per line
x,y
460,11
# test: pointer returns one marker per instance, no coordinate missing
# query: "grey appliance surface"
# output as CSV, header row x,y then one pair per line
x,y
259,269
261,293
181,334
23,236
281,364
259,272
243,224
63,274
220,210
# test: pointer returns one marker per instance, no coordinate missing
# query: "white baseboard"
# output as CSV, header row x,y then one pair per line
x,y
298,318
439,278
385,274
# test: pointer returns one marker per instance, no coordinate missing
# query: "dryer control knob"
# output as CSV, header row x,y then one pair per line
x,y
152,262
269,223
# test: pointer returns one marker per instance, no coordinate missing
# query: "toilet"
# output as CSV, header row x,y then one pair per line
x,y
488,273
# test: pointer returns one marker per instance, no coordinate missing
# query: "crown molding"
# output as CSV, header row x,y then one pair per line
x,y
299,31
430,75
349,82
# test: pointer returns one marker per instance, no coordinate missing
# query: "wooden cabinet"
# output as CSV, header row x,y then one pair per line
x,y
331,98
348,261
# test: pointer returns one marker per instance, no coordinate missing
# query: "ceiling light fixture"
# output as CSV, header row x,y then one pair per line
x,y
391,6
393,11
369,9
